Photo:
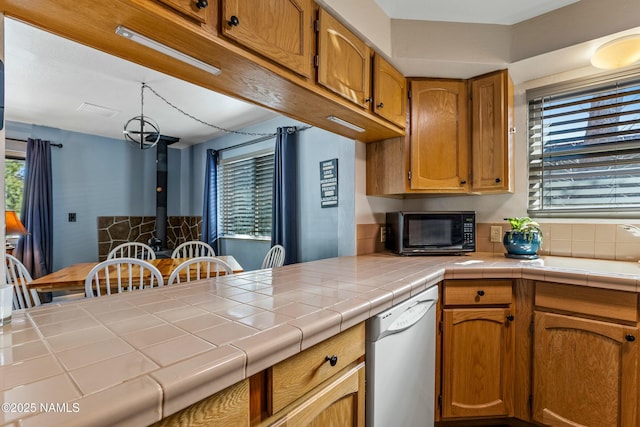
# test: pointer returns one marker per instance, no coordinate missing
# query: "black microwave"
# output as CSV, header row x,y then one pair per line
x,y
431,233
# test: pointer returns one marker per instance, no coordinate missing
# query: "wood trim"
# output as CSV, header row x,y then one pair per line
x,y
523,311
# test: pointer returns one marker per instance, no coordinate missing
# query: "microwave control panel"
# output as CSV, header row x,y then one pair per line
x,y
468,230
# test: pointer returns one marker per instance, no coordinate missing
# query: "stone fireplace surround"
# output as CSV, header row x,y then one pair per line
x,y
115,230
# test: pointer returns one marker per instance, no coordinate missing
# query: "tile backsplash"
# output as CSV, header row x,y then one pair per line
x,y
601,241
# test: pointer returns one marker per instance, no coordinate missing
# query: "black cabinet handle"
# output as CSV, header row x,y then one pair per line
x,y
498,180
233,21
368,100
381,105
480,293
463,182
630,338
332,360
510,318
201,4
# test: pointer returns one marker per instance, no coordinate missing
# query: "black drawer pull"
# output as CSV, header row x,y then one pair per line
x,y
630,338
480,293
510,318
333,360
201,4
233,21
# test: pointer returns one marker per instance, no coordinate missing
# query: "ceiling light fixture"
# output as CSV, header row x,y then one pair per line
x,y
617,53
142,131
159,47
345,123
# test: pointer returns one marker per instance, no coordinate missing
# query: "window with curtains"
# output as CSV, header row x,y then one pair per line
x,y
245,193
584,148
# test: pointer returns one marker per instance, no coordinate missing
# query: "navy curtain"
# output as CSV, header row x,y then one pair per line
x,y
284,226
36,249
210,205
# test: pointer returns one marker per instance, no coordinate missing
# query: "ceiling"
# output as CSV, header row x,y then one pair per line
x,y
49,78
504,12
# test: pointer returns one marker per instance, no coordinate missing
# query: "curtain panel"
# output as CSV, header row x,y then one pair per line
x,y
210,205
284,230
36,249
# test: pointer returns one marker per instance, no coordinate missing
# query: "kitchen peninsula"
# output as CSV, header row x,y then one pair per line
x,y
138,357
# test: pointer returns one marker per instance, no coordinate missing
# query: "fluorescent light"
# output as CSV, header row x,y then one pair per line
x,y
159,47
617,53
345,123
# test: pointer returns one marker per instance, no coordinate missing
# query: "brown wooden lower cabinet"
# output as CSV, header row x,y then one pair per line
x,y
585,372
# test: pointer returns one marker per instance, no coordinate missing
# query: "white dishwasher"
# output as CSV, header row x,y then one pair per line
x,y
400,359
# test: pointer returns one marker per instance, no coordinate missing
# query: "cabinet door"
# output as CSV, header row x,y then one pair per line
x,y
339,403
389,92
281,30
491,121
585,372
478,363
439,136
344,61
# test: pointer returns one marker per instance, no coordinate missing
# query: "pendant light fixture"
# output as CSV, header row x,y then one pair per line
x,y
142,131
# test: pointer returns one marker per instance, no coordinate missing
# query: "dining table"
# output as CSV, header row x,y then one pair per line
x,y
72,278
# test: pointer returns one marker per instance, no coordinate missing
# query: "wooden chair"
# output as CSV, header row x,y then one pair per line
x,y
18,275
132,250
193,249
274,258
118,274
199,268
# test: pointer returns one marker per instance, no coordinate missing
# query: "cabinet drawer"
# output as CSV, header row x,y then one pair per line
x,y
477,292
295,376
596,302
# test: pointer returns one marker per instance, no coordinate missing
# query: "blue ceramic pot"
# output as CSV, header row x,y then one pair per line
x,y
517,243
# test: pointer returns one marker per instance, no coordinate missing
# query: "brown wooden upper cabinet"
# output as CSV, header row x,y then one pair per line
x,y
439,136
492,132
460,140
281,30
389,92
344,61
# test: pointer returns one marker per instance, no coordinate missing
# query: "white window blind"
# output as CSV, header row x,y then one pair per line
x,y
584,148
245,188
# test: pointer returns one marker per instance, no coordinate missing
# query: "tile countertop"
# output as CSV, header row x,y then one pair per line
x,y
136,357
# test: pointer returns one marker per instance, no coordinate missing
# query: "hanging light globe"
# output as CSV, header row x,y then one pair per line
x,y
142,131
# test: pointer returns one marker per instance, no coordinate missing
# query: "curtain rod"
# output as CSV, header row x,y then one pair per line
x,y
255,141
24,140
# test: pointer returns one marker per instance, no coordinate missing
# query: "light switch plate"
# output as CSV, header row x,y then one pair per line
x,y
383,234
496,233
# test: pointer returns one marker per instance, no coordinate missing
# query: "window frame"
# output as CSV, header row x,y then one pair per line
x,y
563,88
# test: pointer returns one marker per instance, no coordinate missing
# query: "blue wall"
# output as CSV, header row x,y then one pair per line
x,y
96,176
92,176
323,233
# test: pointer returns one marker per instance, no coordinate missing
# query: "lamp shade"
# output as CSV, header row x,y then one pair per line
x,y
617,53
13,225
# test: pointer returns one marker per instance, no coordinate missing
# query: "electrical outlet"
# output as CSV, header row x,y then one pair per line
x,y
496,233
383,234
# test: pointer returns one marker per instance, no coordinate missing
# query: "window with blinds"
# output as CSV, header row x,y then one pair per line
x,y
584,148
245,189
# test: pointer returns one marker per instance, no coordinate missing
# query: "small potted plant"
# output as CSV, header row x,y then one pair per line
x,y
524,238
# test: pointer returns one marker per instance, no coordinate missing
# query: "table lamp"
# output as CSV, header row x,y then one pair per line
x,y
13,227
